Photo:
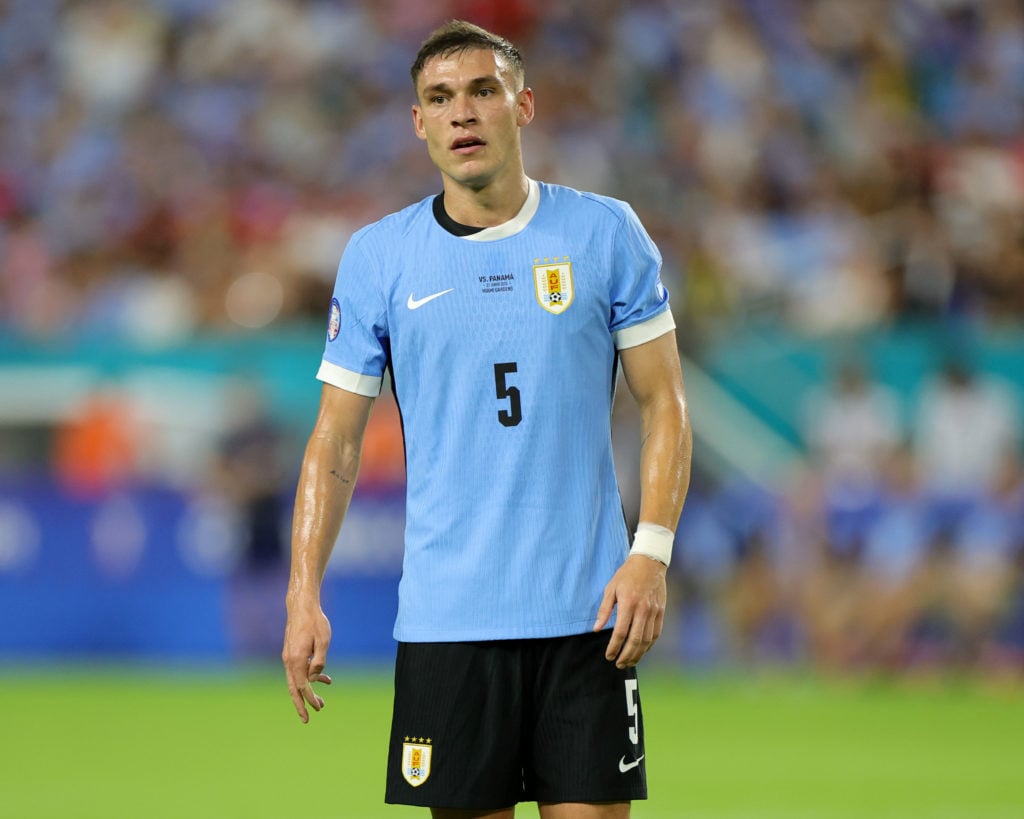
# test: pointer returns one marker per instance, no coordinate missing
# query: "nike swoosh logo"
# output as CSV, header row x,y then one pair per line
x,y
416,304
628,766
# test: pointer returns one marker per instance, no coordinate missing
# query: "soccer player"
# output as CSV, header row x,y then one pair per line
x,y
502,308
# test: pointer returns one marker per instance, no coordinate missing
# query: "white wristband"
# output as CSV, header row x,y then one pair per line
x,y
653,541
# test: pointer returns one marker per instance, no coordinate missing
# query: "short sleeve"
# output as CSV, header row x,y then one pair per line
x,y
355,353
639,301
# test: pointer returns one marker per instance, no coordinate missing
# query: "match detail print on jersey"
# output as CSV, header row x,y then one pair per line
x,y
552,280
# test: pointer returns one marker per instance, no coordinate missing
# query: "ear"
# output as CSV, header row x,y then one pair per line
x,y
417,122
524,116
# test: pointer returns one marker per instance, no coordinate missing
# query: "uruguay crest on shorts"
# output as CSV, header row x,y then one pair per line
x,y
552,280
416,762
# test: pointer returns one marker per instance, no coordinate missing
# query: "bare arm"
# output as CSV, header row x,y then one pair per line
x,y
655,379
326,482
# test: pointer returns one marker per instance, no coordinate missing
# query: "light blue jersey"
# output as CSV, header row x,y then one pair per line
x,y
502,346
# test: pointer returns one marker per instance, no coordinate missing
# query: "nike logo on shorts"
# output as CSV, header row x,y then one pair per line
x,y
628,766
416,304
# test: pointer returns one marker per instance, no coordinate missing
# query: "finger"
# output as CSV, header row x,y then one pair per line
x,y
297,700
605,611
316,702
620,633
318,660
314,674
632,651
650,626
635,650
297,674
659,624
637,642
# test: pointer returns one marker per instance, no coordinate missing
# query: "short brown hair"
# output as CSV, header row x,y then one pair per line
x,y
457,36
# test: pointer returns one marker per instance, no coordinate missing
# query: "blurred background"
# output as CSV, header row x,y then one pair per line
x,y
838,192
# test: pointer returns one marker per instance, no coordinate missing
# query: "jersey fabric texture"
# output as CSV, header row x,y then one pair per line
x,y
502,348
481,726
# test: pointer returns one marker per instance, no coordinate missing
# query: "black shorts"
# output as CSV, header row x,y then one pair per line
x,y
486,725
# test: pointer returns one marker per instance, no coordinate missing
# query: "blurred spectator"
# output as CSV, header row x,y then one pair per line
x,y
250,473
978,570
731,587
755,604
250,470
98,448
852,428
895,567
382,467
966,424
852,431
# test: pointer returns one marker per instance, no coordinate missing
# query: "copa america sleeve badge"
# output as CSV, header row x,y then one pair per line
x,y
334,320
416,754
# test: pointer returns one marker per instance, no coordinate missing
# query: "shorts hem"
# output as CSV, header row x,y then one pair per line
x,y
450,805
589,800
455,805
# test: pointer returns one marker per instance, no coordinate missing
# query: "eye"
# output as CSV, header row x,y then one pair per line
x,y
486,92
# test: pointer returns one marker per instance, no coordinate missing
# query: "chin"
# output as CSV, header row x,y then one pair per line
x,y
473,181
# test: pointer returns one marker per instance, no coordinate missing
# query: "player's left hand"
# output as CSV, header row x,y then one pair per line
x,y
638,589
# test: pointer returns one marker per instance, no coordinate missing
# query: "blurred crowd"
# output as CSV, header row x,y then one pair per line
x,y
898,545
169,165
175,166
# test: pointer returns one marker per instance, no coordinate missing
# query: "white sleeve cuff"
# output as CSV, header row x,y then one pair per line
x,y
645,331
368,385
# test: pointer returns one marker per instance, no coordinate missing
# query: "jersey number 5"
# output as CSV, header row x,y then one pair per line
x,y
514,414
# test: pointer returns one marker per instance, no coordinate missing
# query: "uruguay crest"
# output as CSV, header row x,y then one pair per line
x,y
416,761
552,280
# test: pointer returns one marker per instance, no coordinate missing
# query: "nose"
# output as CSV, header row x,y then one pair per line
x,y
463,112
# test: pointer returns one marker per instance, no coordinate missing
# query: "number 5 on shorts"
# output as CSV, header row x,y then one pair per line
x,y
631,711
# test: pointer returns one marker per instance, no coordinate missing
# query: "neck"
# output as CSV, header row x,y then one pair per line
x,y
493,204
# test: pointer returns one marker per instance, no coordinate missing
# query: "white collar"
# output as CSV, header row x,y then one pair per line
x,y
513,225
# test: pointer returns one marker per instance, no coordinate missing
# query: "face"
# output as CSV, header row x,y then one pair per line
x,y
469,114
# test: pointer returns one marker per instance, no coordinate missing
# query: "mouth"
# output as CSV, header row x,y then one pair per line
x,y
467,144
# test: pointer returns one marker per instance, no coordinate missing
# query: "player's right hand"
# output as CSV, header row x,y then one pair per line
x,y
307,637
